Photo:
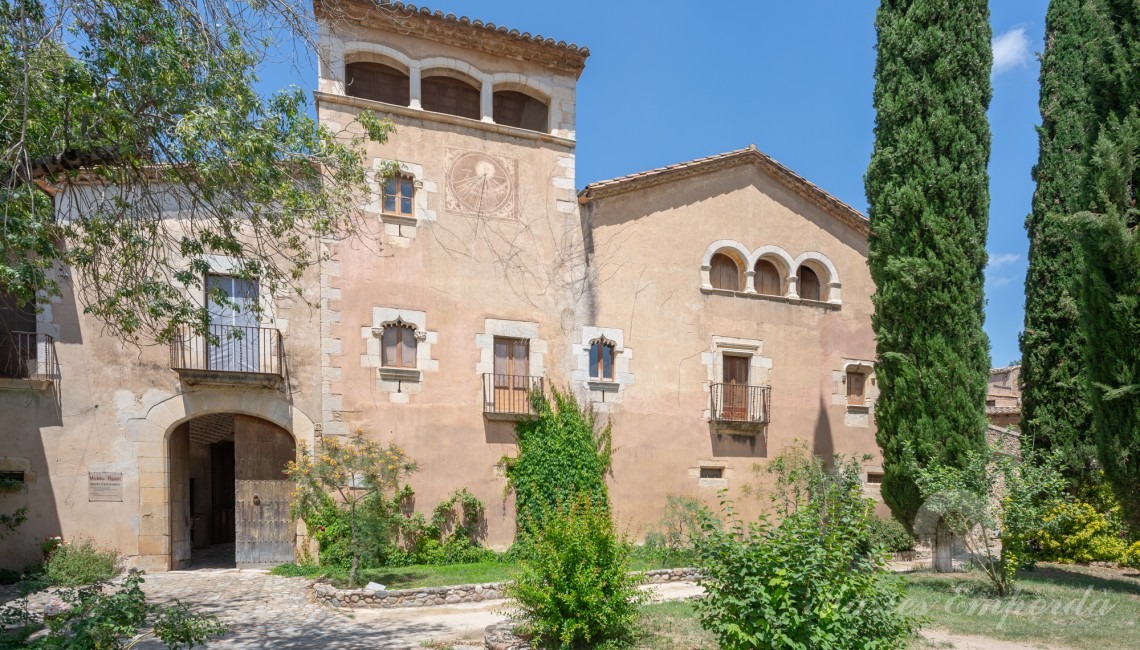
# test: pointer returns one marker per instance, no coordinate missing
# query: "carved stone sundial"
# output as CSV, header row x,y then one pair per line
x,y
480,184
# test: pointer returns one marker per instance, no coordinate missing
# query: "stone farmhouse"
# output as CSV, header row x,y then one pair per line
x,y
717,311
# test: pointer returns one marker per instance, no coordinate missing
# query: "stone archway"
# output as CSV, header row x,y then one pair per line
x,y
151,438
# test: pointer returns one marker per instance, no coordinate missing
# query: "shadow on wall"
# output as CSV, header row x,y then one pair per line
x,y
823,444
731,444
499,432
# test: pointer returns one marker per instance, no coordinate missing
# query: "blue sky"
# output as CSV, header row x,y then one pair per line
x,y
669,81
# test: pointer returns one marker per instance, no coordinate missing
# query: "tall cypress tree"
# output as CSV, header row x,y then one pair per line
x,y
927,186
1055,410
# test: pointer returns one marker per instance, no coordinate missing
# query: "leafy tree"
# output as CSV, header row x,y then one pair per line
x,y
355,470
127,110
1056,414
927,187
993,491
563,452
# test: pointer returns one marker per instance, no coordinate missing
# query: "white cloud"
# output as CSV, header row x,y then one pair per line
x,y
1011,50
999,260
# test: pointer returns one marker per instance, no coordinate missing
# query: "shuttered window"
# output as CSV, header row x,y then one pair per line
x,y
399,346
377,82
808,287
724,274
856,388
516,109
768,279
451,96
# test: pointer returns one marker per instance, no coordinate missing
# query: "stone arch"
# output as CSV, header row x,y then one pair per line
x,y
733,249
448,67
375,53
152,437
779,258
524,84
823,267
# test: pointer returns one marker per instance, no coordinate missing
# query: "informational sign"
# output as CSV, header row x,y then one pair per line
x,y
104,486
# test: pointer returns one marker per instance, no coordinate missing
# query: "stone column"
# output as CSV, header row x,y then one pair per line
x,y
487,102
750,281
415,86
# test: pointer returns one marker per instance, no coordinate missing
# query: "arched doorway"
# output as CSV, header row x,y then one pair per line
x,y
229,496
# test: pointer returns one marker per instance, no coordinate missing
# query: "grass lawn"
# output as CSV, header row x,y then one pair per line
x,y
672,626
440,576
1077,607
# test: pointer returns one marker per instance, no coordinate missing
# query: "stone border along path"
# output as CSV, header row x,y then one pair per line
x,y
452,594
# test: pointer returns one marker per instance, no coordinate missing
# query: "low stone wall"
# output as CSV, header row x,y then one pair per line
x,y
450,595
500,636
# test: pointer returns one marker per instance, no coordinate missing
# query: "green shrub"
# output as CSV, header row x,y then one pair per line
x,y
808,582
1132,558
574,588
672,543
81,563
890,535
1075,533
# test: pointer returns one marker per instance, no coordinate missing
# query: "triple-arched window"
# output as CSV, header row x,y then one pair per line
x,y
770,271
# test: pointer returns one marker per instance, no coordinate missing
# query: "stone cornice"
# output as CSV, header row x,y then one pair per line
x,y
461,31
748,156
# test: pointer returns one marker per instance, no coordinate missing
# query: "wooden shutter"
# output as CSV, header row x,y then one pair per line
x,y
768,279
407,347
451,96
377,82
735,401
856,385
809,284
724,274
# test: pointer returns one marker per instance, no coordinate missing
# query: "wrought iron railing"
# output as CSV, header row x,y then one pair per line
x,y
27,355
739,403
509,394
229,348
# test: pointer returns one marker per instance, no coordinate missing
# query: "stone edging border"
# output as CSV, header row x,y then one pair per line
x,y
451,594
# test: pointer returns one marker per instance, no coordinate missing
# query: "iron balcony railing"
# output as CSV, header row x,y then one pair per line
x,y
739,403
229,348
27,355
509,394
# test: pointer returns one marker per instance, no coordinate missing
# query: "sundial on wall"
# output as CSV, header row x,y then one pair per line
x,y
481,185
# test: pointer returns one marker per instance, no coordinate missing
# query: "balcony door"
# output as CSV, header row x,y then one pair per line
x,y
736,388
512,370
233,344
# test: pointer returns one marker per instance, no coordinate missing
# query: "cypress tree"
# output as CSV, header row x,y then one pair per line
x,y
927,186
1055,410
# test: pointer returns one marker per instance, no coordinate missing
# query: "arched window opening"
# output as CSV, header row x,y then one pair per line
x,y
451,96
377,82
724,274
517,109
602,359
399,345
809,286
768,279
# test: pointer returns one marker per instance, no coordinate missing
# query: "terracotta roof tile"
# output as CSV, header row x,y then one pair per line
x,y
409,9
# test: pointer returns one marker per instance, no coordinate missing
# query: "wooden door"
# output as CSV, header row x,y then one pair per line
x,y
265,532
856,386
512,375
736,388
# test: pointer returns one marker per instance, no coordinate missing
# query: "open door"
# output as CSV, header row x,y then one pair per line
x,y
736,388
265,532
233,343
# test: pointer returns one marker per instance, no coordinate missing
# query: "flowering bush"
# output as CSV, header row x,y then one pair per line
x,y
50,544
1132,558
1075,533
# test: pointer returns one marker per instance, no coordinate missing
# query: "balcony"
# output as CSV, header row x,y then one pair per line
x,y
229,354
741,407
27,361
507,397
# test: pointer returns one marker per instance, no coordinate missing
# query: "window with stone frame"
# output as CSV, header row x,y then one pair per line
x,y
724,273
602,352
856,388
399,196
398,346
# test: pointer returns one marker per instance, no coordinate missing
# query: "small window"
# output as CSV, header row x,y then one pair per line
x,y
516,109
399,195
602,359
712,472
856,388
809,287
399,346
377,82
11,481
451,96
768,279
874,478
724,274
